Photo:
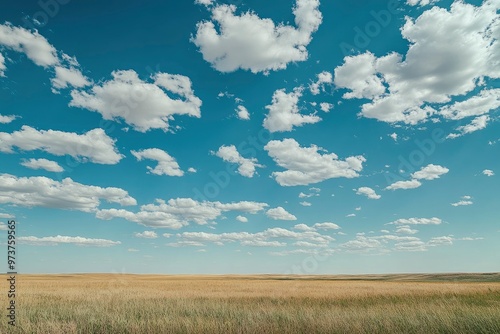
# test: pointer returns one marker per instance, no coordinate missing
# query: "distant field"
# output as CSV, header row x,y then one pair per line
x,y
107,304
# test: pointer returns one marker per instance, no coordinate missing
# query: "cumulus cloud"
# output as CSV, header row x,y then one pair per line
x,y
95,145
324,78
141,104
306,165
430,172
305,203
42,53
69,77
166,164
179,212
67,194
246,166
34,45
484,102
6,119
326,226
48,165
418,221
488,172
476,124
242,113
284,113
368,192
242,219
246,41
420,2
266,238
147,235
280,213
413,87
326,107
59,239
411,184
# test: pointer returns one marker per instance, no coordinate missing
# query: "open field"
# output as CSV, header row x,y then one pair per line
x,y
102,303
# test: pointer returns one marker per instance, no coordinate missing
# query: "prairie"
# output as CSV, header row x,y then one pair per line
x,y
104,303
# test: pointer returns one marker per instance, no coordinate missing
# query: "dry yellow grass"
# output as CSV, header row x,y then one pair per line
x,y
255,304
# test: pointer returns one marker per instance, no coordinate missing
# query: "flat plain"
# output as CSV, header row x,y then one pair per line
x,y
119,303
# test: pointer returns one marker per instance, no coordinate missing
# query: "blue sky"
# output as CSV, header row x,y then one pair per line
x,y
314,137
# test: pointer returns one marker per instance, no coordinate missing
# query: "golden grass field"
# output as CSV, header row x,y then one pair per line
x,y
107,304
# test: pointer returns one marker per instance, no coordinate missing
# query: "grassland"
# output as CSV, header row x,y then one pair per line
x,y
122,304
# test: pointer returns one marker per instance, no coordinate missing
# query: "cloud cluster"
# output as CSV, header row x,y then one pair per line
x,y
67,194
95,145
429,172
306,165
59,239
284,112
48,165
166,164
280,213
179,212
246,167
141,104
413,87
42,53
368,192
230,42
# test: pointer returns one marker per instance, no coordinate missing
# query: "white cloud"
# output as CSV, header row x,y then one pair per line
x,y
6,119
42,53
69,76
430,172
242,113
407,88
411,184
484,102
420,2
326,226
418,221
304,228
280,213
246,166
94,145
440,241
251,43
34,45
284,112
5,216
304,203
488,172
67,194
59,239
323,78
2,65
326,107
394,136
147,235
242,219
476,124
306,165
368,192
358,74
204,2
266,238
179,212
48,165
140,104
405,229
192,170
166,164
462,203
